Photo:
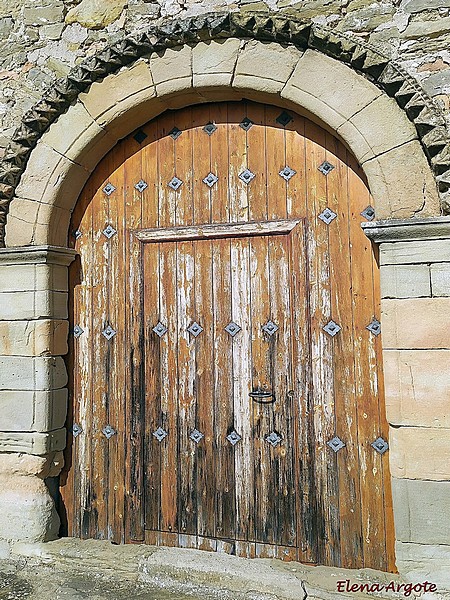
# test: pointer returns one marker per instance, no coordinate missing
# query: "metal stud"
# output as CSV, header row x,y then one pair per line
x,y
210,179
160,434
246,123
232,328
175,183
327,216
332,328
140,136
77,331
336,444
284,118
109,231
287,173
195,329
273,438
109,332
368,213
210,128
246,176
196,436
76,430
233,438
77,234
160,329
141,185
374,326
326,167
380,445
175,133
270,327
108,431
109,189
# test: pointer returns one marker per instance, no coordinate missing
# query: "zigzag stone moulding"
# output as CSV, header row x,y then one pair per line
x,y
282,27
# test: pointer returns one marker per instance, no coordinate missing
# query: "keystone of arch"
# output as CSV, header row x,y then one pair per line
x,y
386,142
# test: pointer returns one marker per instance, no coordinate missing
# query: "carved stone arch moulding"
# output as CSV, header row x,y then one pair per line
x,y
282,28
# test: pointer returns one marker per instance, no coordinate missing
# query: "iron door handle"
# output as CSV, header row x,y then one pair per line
x,y
262,396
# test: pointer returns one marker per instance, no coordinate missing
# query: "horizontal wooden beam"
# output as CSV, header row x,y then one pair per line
x,y
214,231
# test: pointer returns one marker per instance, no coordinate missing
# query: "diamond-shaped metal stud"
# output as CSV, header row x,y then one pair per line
x,y
77,331
332,328
246,123
160,434
287,173
108,431
327,216
270,327
175,183
380,445
369,213
195,329
210,128
109,231
246,176
160,329
336,444
284,118
141,185
374,326
109,332
325,167
196,436
210,179
76,430
109,189
175,133
140,136
77,234
232,328
273,438
233,437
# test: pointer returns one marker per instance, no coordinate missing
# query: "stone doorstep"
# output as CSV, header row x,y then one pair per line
x,y
228,576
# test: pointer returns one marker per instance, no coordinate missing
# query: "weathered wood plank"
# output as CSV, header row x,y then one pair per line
x,y
257,161
237,156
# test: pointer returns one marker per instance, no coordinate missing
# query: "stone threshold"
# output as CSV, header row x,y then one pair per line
x,y
181,572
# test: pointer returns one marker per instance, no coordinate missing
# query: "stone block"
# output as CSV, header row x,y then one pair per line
x,y
40,411
42,15
440,279
421,562
104,95
33,277
422,510
172,70
405,281
389,126
415,252
32,305
417,385
415,193
33,443
77,135
265,66
332,83
27,512
416,323
213,62
32,373
431,462
95,14
41,337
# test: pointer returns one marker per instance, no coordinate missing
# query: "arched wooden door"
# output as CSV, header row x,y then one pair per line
x,y
227,388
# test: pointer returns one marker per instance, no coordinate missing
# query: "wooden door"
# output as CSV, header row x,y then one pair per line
x,y
227,390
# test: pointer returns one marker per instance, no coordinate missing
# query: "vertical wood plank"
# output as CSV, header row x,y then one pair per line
x,y
237,156
276,160
220,192
256,152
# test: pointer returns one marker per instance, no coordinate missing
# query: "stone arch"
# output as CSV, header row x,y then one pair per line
x,y
273,58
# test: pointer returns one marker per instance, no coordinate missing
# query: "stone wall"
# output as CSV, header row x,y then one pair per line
x,y
40,41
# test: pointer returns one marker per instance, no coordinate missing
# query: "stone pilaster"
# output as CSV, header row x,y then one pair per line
x,y
33,396
415,290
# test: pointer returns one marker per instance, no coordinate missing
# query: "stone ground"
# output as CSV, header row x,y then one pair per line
x,y
71,569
